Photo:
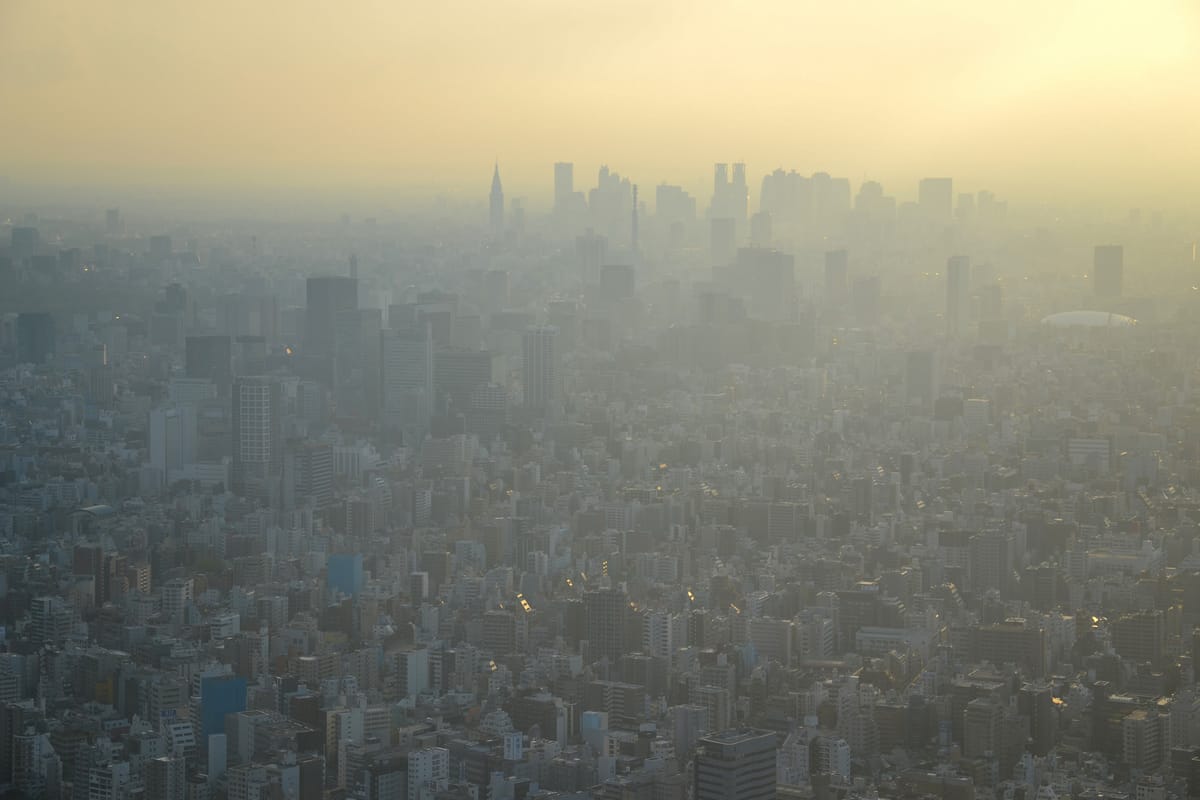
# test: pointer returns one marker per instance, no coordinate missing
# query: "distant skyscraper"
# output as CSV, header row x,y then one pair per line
x,y
958,277
590,251
35,337
407,379
837,284
496,202
540,367
1108,268
326,296
722,240
257,436
564,185
921,378
735,765
210,357
605,615
936,198
730,196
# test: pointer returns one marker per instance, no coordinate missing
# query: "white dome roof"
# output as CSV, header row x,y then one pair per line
x,y
1089,319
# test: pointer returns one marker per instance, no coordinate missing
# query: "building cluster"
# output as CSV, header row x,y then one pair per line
x,y
842,498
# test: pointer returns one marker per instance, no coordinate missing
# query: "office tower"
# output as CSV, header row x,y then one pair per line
x,y
166,778
1108,266
312,473
487,415
837,275
325,297
1035,702
735,765
540,367
457,373
344,573
1140,637
406,375
36,340
935,196
356,362
564,185
760,229
496,202
210,358
605,614
730,196
991,303
1013,641
739,192
220,696
958,277
172,439
590,252
428,771
991,557
112,221
722,240
673,207
257,433
921,378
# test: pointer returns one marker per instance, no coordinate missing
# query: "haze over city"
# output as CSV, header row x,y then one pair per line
x,y
1045,102
599,401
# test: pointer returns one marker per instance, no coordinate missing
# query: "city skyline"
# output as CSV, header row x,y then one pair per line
x,y
1066,103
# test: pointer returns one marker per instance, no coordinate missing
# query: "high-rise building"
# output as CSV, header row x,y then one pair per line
x,y
1108,268
356,362
312,473
35,337
837,278
220,696
921,378
722,240
166,777
958,277
257,436
935,196
735,765
325,297
458,372
172,439
428,771
540,367
210,358
407,379
1140,637
496,202
991,555
606,611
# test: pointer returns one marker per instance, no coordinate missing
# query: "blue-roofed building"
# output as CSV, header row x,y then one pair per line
x,y
220,695
345,573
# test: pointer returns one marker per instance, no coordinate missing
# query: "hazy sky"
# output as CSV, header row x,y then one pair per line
x,y
1075,98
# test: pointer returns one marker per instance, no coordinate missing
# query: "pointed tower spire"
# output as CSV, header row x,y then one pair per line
x,y
496,201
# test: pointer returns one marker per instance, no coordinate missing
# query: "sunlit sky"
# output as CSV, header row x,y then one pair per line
x,y
1031,98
